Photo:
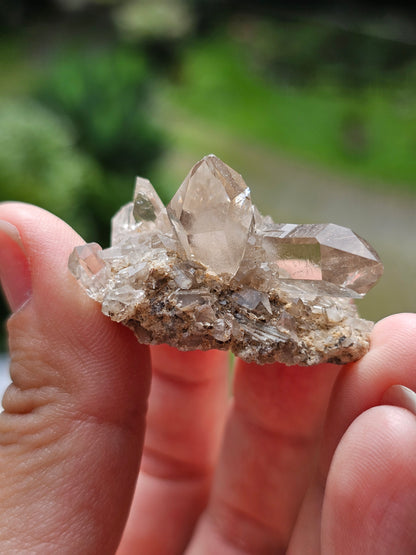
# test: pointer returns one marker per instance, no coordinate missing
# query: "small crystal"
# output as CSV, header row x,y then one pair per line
x,y
205,314
223,328
183,278
286,321
186,300
86,257
146,204
250,298
142,213
333,314
119,303
211,272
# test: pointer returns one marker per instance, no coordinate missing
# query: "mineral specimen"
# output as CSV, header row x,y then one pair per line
x,y
210,272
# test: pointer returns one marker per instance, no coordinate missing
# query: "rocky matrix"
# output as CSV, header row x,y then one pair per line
x,y
210,272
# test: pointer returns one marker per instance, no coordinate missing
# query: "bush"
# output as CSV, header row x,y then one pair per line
x,y
106,94
39,163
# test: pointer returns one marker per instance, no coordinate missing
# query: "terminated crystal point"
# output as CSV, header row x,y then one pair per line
x,y
323,252
86,259
210,272
146,203
87,265
145,212
212,215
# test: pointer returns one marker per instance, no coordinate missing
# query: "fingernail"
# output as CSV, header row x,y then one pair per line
x,y
14,267
400,396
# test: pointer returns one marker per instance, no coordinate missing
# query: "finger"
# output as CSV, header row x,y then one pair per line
x,y
370,498
391,361
187,408
360,386
73,420
267,457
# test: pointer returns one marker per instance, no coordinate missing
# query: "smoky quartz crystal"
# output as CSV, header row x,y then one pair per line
x,y
210,272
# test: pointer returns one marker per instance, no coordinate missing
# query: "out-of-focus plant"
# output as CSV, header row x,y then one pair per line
x,y
39,162
302,53
370,134
107,96
147,19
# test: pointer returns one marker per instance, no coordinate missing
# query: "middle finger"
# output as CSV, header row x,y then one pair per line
x,y
267,459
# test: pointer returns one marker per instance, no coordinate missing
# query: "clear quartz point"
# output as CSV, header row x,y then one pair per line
x,y
212,215
87,265
146,204
86,259
327,253
143,212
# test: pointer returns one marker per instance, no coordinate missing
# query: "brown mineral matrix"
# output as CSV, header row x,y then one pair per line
x,y
210,272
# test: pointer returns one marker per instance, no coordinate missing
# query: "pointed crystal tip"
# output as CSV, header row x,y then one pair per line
x,y
212,215
146,203
86,258
328,253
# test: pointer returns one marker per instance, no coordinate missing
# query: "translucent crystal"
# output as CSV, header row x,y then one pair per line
x,y
263,333
183,278
250,298
146,204
145,209
205,314
86,257
186,300
212,215
119,303
87,265
323,252
224,328
211,272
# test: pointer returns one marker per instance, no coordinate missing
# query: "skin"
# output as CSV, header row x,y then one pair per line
x,y
299,461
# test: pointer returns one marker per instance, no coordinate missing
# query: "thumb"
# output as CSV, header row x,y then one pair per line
x,y
73,423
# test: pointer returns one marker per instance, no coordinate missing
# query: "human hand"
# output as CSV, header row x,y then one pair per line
x,y
302,460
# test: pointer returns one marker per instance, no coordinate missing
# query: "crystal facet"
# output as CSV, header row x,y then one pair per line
x,y
146,204
86,257
209,271
323,252
145,212
213,208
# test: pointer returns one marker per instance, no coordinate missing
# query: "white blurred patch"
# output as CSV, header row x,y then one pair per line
x,y
4,373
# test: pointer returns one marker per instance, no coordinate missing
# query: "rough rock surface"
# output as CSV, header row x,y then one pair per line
x,y
210,272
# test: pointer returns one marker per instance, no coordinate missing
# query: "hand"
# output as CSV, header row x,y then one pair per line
x,y
302,461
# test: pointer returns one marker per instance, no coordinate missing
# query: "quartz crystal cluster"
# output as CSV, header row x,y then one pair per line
x,y
210,272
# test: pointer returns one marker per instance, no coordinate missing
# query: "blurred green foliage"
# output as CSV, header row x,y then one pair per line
x,y
76,149
370,131
300,52
150,20
39,161
106,94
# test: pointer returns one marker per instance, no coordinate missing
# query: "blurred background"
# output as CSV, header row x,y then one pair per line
x,y
315,106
